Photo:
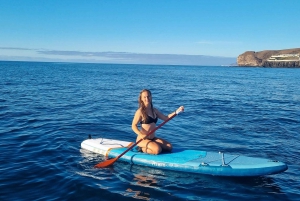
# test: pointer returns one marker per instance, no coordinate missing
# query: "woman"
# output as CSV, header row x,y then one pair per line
x,y
147,116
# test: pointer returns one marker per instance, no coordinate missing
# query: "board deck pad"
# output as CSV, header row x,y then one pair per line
x,y
195,161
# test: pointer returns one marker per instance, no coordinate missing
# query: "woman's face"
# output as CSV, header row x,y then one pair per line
x,y
146,98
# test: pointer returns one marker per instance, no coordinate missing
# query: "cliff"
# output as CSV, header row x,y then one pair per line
x,y
251,58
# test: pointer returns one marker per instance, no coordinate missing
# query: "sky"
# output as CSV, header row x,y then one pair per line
x,y
196,32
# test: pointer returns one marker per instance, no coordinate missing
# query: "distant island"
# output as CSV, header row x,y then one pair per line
x,y
289,58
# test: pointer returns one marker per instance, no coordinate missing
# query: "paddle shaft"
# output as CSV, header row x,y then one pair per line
x,y
152,131
109,162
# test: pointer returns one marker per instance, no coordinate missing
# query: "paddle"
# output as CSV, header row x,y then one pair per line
x,y
109,162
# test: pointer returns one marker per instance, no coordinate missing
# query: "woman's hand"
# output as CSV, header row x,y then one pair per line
x,y
179,110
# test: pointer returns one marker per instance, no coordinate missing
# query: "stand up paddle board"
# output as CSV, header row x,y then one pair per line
x,y
194,161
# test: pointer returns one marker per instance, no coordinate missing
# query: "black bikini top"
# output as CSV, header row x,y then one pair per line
x,y
149,120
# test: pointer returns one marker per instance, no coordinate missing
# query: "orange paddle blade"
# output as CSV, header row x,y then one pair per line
x,y
106,163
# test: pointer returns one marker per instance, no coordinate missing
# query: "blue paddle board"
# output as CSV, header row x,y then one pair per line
x,y
194,161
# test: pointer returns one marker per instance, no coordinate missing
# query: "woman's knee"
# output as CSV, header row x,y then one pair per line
x,y
153,148
157,150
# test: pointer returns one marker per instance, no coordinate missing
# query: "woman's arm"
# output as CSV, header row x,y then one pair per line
x,y
164,117
136,119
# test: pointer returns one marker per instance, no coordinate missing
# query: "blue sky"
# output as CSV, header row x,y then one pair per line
x,y
145,31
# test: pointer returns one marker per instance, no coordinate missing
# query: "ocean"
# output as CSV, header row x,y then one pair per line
x,y
48,109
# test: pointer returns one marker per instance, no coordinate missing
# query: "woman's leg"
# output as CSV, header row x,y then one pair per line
x,y
150,147
164,144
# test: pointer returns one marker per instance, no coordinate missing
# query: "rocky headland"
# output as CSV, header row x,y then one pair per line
x,y
288,58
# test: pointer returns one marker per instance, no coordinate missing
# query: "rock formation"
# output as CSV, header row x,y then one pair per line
x,y
251,58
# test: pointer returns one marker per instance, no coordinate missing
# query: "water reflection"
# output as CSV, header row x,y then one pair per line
x,y
145,180
139,194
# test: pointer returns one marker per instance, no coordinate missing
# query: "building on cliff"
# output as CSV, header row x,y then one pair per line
x,y
285,57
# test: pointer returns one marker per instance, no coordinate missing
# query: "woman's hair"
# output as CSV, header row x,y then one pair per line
x,y
141,104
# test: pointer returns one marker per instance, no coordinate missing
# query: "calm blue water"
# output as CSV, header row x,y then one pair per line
x,y
48,109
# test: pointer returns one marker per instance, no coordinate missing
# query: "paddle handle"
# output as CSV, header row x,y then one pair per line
x,y
152,131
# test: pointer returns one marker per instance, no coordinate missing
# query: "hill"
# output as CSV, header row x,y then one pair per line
x,y
262,58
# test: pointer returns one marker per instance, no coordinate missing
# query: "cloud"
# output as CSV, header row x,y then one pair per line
x,y
127,57
14,48
83,54
148,58
217,42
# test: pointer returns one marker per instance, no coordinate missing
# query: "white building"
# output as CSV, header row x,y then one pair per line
x,y
285,57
